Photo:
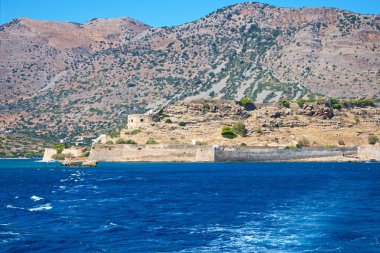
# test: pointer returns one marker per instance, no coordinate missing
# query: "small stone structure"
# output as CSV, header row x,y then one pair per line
x,y
136,121
369,152
103,138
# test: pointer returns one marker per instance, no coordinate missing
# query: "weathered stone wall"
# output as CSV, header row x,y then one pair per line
x,y
49,152
241,155
369,152
192,153
103,138
151,153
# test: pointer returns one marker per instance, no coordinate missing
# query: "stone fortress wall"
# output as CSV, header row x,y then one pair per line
x,y
151,153
49,152
273,155
195,153
369,152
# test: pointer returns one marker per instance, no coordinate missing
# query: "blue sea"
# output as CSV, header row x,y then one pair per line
x,y
168,207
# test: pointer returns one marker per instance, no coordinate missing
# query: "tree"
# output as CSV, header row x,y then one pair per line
x,y
227,132
239,129
373,139
59,147
303,142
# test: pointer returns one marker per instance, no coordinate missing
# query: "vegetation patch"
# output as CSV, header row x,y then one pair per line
x,y
227,132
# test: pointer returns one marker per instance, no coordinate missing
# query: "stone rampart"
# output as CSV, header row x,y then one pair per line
x,y
151,153
49,152
369,152
193,153
268,155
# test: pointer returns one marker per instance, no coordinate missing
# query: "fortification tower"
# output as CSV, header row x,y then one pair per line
x,y
136,121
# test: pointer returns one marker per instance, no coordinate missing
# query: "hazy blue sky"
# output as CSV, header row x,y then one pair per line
x,y
151,12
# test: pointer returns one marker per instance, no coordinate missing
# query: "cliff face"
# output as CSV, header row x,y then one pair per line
x,y
81,78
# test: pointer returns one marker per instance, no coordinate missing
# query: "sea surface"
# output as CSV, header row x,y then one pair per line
x,y
168,207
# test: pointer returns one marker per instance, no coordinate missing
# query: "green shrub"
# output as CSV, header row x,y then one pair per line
x,y
131,142
258,130
168,121
357,119
181,123
115,134
361,102
243,144
206,106
122,141
135,131
335,103
373,139
245,101
109,143
239,129
151,141
62,156
284,102
200,143
291,147
227,132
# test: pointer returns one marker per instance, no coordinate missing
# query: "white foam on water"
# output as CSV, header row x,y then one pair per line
x,y
109,178
9,233
41,208
70,200
36,198
273,232
14,207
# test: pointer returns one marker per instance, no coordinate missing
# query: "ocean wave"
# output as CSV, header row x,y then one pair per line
x,y
14,207
36,198
42,207
109,179
9,233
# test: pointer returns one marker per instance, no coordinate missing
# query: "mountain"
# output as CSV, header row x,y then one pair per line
x,y
62,78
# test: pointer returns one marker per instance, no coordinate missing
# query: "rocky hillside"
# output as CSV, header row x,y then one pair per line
x,y
201,121
67,78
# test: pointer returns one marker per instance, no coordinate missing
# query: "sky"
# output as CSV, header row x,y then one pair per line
x,y
152,12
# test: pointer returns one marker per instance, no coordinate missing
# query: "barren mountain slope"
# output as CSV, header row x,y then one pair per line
x,y
35,53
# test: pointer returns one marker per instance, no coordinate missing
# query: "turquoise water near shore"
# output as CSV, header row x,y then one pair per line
x,y
168,207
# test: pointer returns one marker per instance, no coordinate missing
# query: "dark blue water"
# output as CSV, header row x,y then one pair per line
x,y
257,207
